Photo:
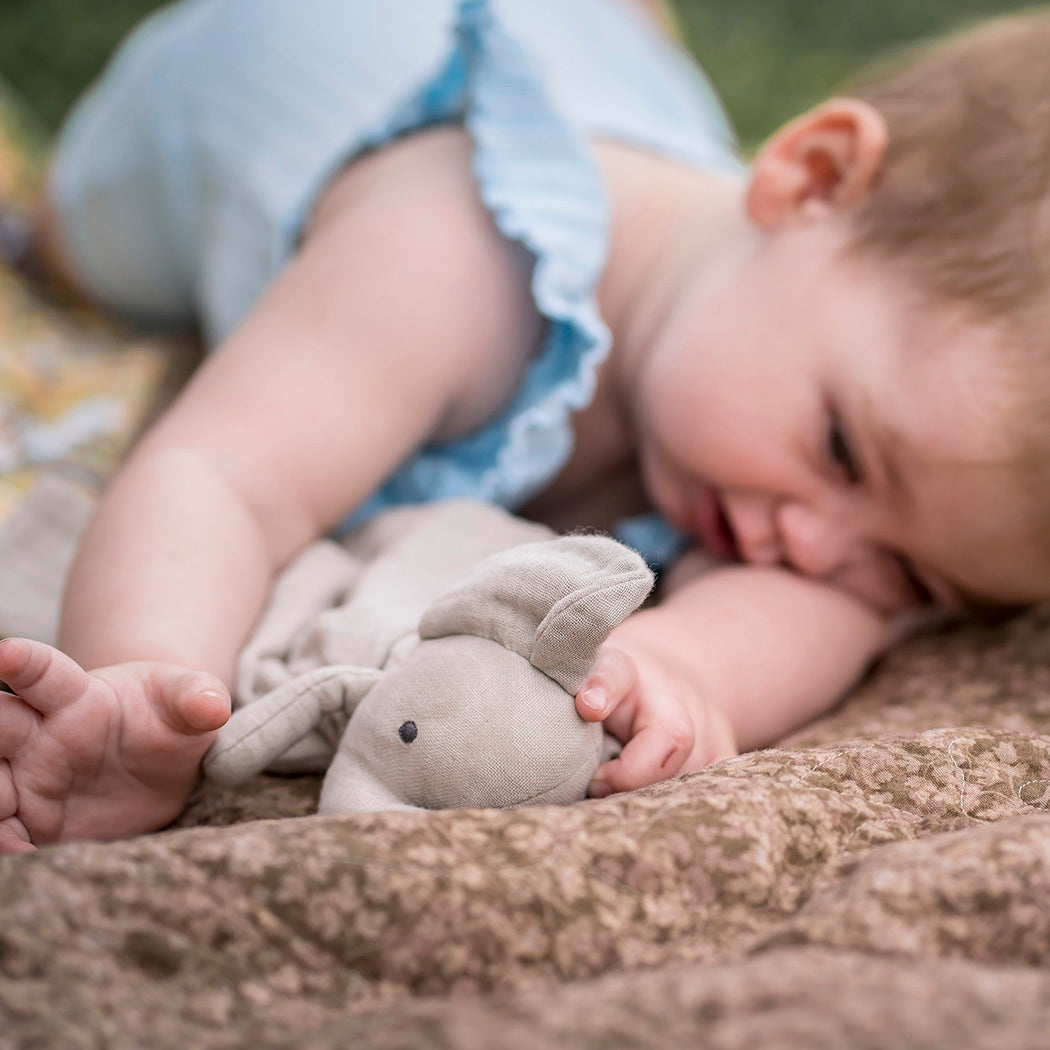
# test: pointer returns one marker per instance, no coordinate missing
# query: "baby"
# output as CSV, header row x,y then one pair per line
x,y
507,251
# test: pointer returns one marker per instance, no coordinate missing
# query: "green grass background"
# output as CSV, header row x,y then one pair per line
x,y
769,58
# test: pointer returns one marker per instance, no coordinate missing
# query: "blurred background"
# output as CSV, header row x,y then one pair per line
x,y
768,58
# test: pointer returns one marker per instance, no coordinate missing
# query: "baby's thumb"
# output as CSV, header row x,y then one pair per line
x,y
195,702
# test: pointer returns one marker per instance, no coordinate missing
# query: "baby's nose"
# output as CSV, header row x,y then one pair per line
x,y
817,541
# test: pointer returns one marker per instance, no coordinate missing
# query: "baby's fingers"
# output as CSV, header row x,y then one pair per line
x,y
14,837
612,680
43,677
654,753
17,722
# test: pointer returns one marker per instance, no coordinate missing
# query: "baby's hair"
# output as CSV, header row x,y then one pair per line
x,y
961,207
963,198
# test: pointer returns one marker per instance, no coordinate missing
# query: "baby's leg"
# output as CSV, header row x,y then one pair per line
x,y
112,753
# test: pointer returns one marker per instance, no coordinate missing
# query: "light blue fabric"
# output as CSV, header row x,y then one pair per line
x,y
184,178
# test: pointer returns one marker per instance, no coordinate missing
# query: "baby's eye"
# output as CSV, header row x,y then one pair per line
x,y
841,451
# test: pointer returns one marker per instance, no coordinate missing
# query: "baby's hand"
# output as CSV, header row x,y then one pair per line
x,y
104,754
666,724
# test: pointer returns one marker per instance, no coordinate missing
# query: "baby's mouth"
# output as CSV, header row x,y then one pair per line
x,y
714,528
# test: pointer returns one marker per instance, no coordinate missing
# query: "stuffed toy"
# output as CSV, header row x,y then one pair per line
x,y
431,661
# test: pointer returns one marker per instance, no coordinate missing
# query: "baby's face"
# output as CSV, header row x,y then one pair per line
x,y
796,409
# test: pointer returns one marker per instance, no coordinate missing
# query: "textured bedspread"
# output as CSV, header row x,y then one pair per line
x,y
884,881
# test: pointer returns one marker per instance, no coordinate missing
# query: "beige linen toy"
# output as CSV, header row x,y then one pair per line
x,y
432,661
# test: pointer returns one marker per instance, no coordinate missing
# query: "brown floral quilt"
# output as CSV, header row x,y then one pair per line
x,y
884,881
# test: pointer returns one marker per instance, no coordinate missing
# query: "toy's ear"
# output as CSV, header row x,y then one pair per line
x,y
552,602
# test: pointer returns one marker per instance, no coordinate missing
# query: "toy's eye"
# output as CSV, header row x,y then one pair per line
x,y
407,731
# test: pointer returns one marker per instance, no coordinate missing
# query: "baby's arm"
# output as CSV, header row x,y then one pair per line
x,y
729,661
404,317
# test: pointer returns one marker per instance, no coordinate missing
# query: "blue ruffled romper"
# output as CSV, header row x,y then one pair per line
x,y
183,178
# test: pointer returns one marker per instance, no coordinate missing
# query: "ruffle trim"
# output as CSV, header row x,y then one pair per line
x,y
540,182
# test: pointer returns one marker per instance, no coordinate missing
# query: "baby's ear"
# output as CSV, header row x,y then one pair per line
x,y
823,160
552,602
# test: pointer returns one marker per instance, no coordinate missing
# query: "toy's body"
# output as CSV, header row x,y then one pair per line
x,y
437,656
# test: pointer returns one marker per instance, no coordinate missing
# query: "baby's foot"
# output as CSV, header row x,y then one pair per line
x,y
104,754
